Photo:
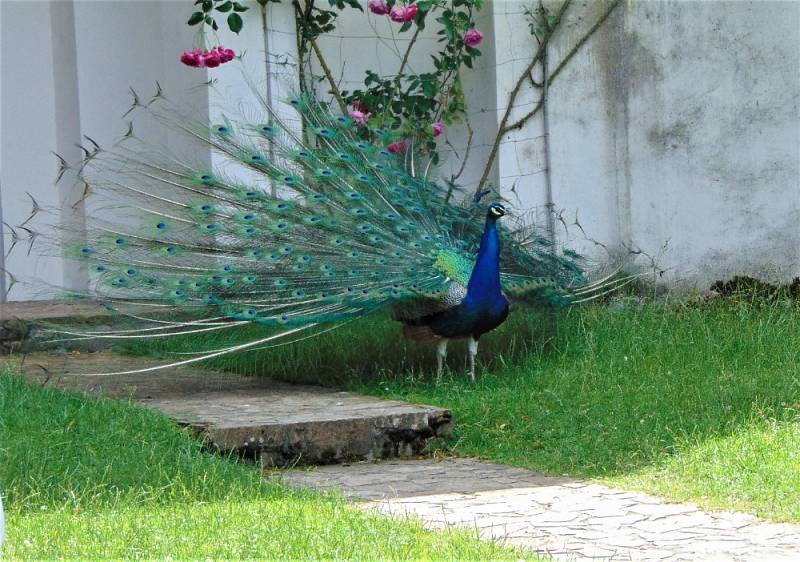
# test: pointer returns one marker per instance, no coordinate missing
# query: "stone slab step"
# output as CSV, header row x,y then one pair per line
x,y
17,320
276,423
31,311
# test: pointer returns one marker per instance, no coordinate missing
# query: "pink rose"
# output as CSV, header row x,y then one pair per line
x,y
359,117
191,58
226,55
411,12
207,59
438,128
397,147
358,105
398,13
211,59
473,38
403,14
378,7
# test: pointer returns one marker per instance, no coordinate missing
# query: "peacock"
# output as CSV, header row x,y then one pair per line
x,y
301,230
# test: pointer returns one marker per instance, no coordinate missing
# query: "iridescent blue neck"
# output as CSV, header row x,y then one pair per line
x,y
484,283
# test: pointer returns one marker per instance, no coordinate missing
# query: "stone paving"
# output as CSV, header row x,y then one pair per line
x,y
564,518
255,417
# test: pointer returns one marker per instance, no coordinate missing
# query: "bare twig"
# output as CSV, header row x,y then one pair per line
x,y
399,77
457,175
304,15
519,123
584,39
504,127
329,76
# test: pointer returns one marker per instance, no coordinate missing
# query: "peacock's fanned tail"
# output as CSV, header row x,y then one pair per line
x,y
289,230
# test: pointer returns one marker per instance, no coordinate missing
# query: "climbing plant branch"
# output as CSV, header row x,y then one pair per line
x,y
582,41
399,78
505,127
337,95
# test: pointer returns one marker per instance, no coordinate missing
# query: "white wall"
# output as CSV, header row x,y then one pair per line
x,y
677,121
66,70
678,124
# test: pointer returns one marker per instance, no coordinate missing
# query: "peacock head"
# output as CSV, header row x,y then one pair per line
x,y
496,210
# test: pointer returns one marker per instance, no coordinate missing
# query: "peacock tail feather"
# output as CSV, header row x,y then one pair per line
x,y
289,230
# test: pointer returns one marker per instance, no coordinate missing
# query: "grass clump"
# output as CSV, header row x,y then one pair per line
x,y
97,479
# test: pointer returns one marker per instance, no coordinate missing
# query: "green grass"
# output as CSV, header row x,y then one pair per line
x,y
91,479
696,402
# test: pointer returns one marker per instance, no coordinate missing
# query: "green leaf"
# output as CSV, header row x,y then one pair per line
x,y
239,8
209,20
235,22
405,27
195,18
207,5
226,7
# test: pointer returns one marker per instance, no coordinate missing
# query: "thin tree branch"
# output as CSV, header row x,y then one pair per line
x,y
519,123
408,52
502,129
584,39
399,77
325,68
470,132
505,128
329,76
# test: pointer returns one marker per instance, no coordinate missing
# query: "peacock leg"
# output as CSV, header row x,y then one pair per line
x,y
441,355
473,351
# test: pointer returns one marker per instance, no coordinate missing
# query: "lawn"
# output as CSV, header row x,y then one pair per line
x,y
694,401
92,478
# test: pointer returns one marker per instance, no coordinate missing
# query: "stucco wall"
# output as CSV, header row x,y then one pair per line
x,y
676,124
66,70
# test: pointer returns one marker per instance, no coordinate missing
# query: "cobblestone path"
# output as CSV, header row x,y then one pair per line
x,y
564,518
